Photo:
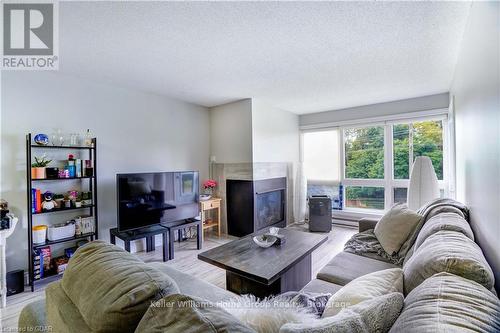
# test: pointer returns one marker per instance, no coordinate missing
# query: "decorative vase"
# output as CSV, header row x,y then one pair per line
x,y
209,191
38,173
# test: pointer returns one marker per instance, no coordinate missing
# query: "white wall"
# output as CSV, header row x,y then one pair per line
x,y
136,132
275,134
476,93
231,132
376,110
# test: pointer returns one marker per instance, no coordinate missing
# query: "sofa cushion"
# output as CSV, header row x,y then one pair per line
x,y
112,288
321,287
62,314
182,313
395,226
449,303
365,287
345,267
192,286
444,221
374,315
447,251
33,315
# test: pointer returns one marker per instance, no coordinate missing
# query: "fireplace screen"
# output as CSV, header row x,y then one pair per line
x,y
270,208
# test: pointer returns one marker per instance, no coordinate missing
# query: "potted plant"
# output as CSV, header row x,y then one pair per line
x,y
67,201
209,186
38,168
78,201
59,199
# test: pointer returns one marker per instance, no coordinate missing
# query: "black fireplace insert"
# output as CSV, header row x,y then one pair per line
x,y
254,205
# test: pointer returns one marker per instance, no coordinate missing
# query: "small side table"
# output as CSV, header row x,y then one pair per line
x,y
149,233
205,206
3,265
176,226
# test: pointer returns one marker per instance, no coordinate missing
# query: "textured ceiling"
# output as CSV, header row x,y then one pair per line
x,y
300,56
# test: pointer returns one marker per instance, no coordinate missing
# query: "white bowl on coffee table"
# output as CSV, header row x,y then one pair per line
x,y
265,240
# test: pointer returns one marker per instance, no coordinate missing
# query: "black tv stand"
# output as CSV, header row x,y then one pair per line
x,y
166,230
149,233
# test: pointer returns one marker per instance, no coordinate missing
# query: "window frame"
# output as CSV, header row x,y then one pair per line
x,y
388,182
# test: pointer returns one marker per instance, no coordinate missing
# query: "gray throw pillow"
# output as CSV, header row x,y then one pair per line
x,y
111,288
395,226
315,302
449,303
447,251
182,313
374,315
444,221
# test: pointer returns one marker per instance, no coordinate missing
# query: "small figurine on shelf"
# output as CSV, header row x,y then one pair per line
x,y
48,203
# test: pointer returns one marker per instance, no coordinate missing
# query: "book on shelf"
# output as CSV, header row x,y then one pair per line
x,y
38,201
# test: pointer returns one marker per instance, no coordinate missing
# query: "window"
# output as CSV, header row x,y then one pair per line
x,y
364,197
424,138
373,161
364,152
322,162
321,155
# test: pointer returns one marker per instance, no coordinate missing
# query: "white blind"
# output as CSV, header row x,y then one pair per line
x,y
321,155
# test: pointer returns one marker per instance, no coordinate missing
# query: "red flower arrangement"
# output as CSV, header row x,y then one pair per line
x,y
209,184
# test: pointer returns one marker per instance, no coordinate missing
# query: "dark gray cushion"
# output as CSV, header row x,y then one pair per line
x,y
447,251
321,287
345,267
192,286
181,313
449,303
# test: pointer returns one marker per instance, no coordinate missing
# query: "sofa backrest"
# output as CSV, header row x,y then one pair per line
x,y
111,288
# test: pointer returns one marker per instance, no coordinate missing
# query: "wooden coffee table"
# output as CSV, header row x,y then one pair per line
x,y
251,269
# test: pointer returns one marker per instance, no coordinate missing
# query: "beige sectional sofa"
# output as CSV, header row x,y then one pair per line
x,y
445,296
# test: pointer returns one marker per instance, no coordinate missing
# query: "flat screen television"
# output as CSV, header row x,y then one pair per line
x,y
147,199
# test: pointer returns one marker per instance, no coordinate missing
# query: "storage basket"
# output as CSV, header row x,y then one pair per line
x,y
60,232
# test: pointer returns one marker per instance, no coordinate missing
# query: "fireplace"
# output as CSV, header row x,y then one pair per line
x,y
254,205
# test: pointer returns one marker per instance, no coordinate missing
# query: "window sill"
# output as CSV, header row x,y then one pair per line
x,y
357,214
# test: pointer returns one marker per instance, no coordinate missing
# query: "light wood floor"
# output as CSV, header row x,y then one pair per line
x,y
186,261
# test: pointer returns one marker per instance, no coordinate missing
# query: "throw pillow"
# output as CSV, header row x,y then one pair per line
x,y
365,287
112,288
395,226
269,314
374,315
182,313
447,251
449,303
315,302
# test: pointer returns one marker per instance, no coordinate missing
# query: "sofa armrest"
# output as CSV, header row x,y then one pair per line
x,y
366,224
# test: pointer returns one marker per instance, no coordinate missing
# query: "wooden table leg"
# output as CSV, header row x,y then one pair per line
x,y
218,221
202,221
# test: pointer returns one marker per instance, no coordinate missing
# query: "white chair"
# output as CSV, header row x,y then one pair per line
x,y
423,183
